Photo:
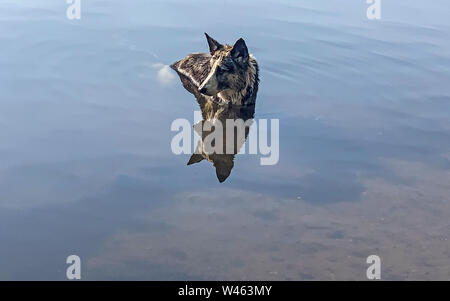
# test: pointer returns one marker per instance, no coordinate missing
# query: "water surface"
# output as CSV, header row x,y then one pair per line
x,y
87,169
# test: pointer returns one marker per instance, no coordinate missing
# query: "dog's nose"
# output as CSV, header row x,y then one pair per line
x,y
202,90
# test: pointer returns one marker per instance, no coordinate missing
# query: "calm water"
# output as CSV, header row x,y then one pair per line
x,y
86,169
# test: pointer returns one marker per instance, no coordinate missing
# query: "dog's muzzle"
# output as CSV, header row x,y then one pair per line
x,y
205,91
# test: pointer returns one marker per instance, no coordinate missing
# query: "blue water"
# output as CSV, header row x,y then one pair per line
x,y
87,169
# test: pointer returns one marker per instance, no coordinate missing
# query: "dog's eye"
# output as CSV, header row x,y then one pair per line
x,y
229,68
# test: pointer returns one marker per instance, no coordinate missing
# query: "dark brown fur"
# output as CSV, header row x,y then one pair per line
x,y
225,84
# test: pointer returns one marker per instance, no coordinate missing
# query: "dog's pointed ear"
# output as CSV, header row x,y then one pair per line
x,y
223,168
240,51
213,44
195,158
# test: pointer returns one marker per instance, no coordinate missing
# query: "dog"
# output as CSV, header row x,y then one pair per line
x,y
225,83
229,74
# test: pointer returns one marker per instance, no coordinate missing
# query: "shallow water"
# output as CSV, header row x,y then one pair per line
x,y
87,169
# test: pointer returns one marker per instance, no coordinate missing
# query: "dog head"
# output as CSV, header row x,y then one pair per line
x,y
228,67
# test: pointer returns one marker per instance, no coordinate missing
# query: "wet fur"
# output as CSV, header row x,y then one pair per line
x,y
237,88
237,85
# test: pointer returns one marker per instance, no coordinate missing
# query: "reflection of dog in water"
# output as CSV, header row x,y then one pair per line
x,y
225,83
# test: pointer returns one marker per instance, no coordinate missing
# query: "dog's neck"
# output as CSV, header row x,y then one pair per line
x,y
247,95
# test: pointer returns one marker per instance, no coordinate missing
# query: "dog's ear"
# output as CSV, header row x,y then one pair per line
x,y
195,158
213,44
224,167
240,51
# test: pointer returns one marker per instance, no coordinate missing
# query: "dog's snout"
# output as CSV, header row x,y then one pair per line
x,y
202,90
